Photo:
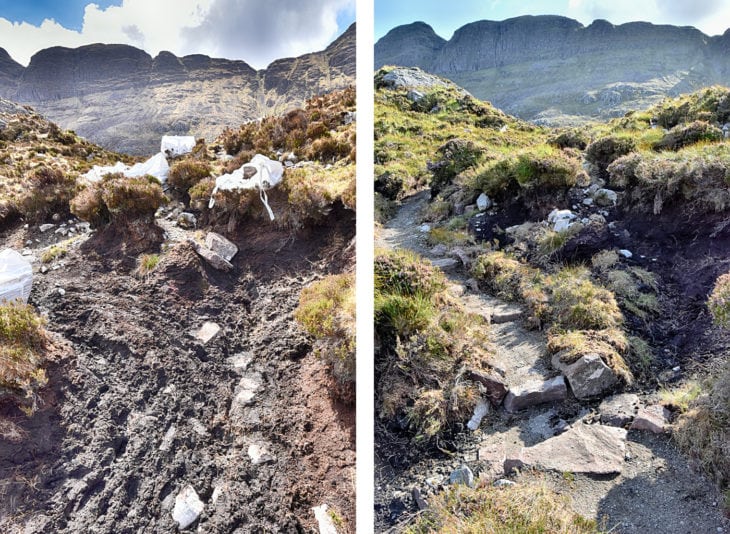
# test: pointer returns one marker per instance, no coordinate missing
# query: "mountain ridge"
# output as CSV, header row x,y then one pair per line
x,y
553,69
123,98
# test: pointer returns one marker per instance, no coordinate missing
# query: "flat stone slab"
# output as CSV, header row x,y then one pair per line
x,y
506,316
654,418
588,449
534,393
445,263
619,410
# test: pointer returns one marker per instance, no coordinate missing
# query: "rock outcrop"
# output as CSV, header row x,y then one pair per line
x,y
555,70
122,98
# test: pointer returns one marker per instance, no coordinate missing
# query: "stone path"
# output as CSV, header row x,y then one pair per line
x,y
635,482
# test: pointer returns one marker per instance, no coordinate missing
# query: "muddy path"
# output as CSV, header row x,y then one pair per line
x,y
656,491
140,407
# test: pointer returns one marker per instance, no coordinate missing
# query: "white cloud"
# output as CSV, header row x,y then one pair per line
x,y
709,16
262,31
255,31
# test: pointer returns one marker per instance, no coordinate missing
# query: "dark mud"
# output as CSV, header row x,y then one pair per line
x,y
139,407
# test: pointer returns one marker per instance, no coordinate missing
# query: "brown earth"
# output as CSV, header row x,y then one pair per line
x,y
101,455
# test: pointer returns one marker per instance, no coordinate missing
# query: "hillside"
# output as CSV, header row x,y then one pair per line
x,y
171,362
575,72
549,315
123,99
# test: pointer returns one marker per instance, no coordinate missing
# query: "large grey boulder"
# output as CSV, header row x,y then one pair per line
x,y
533,393
589,449
588,376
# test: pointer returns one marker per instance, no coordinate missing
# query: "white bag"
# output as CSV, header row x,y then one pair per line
x,y
156,166
16,276
268,174
177,145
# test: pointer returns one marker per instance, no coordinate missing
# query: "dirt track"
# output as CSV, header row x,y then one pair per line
x,y
137,407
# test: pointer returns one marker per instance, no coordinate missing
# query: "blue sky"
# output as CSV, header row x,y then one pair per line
x,y
445,16
255,31
68,13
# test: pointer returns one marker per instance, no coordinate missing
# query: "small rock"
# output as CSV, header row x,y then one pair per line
x,y
44,269
188,507
480,410
62,231
420,502
561,219
605,197
168,438
61,291
247,388
259,454
324,520
625,253
462,475
214,259
472,284
587,201
483,202
207,332
187,220
503,482
45,227
654,418
424,228
495,386
533,393
220,245
506,316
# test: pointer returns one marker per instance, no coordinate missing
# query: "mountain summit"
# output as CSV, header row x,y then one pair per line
x,y
557,70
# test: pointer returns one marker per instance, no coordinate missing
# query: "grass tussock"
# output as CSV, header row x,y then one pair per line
x,y
703,430
522,508
117,198
187,173
719,301
327,312
426,342
146,263
47,191
23,341
694,177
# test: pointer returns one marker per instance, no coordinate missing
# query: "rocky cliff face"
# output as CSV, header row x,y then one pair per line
x,y
122,98
555,69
